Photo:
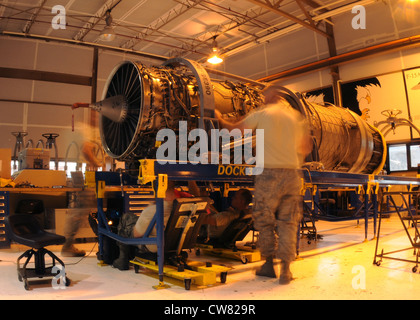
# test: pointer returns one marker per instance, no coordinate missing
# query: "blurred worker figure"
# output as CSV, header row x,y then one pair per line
x,y
133,226
277,200
81,202
218,221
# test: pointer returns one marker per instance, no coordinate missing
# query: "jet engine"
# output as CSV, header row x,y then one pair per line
x,y
138,101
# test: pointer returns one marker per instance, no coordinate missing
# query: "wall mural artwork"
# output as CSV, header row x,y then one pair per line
x,y
375,98
357,95
380,98
321,96
412,87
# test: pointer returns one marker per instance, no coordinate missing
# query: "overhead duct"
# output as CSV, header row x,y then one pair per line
x,y
138,101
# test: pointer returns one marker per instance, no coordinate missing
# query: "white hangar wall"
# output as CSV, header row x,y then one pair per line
x,y
39,107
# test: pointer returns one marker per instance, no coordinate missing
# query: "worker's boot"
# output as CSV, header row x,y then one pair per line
x,y
285,273
69,250
267,269
122,263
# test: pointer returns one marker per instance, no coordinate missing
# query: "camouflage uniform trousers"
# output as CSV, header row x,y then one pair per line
x,y
127,224
125,229
81,203
278,211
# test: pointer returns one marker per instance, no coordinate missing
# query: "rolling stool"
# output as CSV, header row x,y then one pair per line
x,y
25,229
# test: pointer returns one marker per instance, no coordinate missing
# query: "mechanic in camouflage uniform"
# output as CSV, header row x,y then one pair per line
x,y
278,205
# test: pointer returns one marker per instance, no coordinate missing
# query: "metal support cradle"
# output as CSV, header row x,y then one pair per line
x,y
410,223
113,178
151,171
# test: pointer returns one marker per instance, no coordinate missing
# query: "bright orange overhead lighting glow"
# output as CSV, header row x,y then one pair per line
x,y
214,57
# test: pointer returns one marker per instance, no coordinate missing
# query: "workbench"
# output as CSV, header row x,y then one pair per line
x,y
55,197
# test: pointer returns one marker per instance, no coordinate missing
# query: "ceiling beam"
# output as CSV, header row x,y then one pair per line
x,y
306,13
31,21
323,16
83,43
234,21
332,49
97,17
174,13
311,3
267,5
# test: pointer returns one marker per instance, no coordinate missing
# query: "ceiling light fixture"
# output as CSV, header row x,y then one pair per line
x,y
107,34
214,57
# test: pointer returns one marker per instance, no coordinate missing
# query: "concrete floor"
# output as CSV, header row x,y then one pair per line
x,y
339,266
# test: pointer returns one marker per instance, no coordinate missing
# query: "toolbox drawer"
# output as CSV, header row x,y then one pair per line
x,y
136,201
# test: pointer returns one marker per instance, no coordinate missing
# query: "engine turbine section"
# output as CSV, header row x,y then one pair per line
x,y
138,101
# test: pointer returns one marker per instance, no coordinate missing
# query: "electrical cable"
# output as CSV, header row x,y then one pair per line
x,y
82,258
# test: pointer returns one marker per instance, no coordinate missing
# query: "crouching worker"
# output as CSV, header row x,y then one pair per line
x,y
133,226
218,221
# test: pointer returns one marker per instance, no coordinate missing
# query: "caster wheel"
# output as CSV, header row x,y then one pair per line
x,y
26,284
20,278
136,268
68,282
378,263
187,284
223,277
244,260
414,269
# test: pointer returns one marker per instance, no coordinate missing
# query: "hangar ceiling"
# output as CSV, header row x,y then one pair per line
x,y
169,28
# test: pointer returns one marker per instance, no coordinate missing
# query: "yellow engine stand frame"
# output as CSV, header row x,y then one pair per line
x,y
243,254
202,274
